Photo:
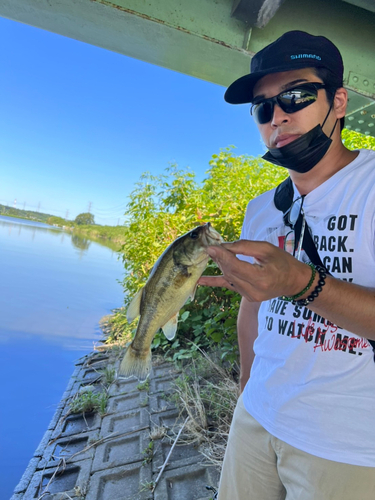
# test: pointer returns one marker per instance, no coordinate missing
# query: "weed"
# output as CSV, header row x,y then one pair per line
x,y
148,453
207,393
108,376
158,432
144,386
144,402
147,485
87,402
80,492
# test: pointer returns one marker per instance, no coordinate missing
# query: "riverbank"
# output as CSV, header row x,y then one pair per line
x,y
125,448
113,236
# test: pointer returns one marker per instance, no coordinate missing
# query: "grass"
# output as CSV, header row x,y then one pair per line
x,y
148,453
207,393
144,386
108,376
87,402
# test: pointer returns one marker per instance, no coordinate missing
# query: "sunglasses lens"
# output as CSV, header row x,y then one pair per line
x,y
296,99
262,112
295,210
290,101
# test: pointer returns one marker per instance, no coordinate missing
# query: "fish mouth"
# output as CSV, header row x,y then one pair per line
x,y
210,236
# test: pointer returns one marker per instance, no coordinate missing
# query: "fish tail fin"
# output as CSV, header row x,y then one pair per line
x,y
135,364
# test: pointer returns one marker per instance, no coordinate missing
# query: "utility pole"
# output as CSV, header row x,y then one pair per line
x,y
67,215
89,209
38,207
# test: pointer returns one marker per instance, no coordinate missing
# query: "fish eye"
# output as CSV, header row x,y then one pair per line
x,y
194,234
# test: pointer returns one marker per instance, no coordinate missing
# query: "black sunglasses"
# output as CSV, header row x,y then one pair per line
x,y
291,217
290,101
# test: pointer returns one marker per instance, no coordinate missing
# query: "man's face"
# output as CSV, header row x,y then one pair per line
x,y
284,128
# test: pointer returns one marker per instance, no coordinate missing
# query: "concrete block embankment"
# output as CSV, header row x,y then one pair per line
x,y
116,455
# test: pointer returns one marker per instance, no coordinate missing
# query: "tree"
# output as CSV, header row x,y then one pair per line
x,y
86,219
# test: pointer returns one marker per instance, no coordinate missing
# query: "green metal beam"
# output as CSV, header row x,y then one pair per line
x,y
202,39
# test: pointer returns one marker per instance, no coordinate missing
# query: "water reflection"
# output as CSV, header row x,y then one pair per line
x,y
54,289
80,243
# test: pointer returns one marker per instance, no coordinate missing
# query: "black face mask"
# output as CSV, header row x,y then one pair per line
x,y
304,153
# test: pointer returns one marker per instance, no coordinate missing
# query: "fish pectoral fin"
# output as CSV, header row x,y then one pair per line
x,y
134,306
192,295
170,328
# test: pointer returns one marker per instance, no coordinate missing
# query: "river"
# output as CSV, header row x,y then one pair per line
x,y
54,288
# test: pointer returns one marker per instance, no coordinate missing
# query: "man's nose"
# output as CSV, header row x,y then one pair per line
x,y
279,116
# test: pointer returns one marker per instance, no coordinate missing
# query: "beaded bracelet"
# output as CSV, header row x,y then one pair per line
x,y
322,280
294,297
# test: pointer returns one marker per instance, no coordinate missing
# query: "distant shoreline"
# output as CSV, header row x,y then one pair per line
x,y
112,237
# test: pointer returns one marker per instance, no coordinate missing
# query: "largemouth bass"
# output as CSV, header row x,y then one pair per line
x,y
172,281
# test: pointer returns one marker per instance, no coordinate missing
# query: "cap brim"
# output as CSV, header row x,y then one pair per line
x,y
241,90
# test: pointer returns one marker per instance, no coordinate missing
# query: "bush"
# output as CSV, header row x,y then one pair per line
x,y
85,219
160,209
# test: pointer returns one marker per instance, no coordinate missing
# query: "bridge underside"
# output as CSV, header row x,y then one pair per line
x,y
215,39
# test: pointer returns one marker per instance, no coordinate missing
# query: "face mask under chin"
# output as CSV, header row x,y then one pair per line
x,y
302,154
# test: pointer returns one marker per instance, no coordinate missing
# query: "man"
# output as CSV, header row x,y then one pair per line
x,y
304,426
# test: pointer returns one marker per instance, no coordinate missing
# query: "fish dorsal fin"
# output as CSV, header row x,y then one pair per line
x,y
134,308
170,328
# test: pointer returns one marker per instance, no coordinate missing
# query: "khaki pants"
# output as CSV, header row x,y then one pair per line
x,y
258,466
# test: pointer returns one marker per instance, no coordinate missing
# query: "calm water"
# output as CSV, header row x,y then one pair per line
x,y
54,288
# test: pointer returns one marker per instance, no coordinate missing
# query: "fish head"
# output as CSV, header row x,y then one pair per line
x,y
190,249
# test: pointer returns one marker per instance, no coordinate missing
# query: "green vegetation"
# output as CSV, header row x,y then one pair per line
x,y
59,221
353,140
111,236
24,214
86,402
207,393
107,376
84,219
148,453
160,209
144,386
163,207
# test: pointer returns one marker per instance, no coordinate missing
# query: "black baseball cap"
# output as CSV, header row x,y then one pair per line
x,y
293,50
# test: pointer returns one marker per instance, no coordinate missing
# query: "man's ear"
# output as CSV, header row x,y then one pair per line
x,y
340,102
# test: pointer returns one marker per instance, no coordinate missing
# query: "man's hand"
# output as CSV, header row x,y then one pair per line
x,y
274,273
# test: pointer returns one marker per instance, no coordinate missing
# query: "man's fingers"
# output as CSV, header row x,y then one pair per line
x,y
214,281
248,247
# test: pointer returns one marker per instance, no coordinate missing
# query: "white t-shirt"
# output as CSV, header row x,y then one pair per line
x,y
312,383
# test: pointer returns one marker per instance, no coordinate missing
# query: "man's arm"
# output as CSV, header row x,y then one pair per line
x,y
277,273
247,330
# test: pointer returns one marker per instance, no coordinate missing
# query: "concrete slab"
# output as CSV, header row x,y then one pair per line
x,y
120,466
182,455
171,420
129,482
76,424
134,420
65,480
68,446
27,476
126,402
159,403
122,450
123,386
162,384
186,483
164,370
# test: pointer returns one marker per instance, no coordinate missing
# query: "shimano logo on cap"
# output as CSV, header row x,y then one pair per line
x,y
306,56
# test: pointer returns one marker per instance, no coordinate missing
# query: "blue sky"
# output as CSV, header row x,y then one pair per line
x,y
80,124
